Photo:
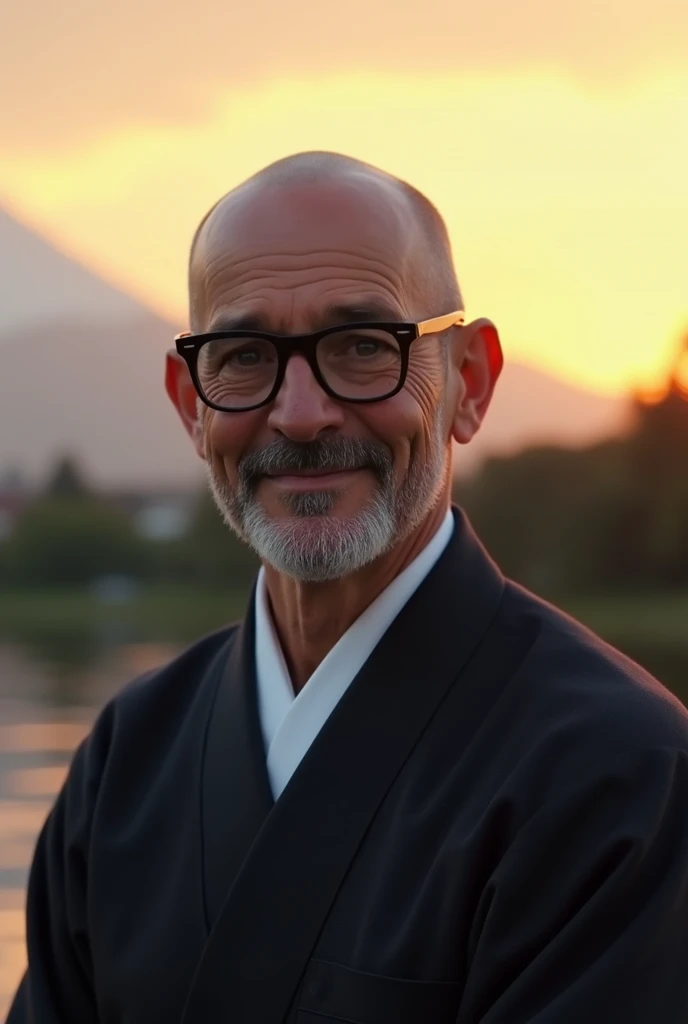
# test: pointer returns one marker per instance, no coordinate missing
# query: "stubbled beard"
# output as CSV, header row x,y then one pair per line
x,y
310,544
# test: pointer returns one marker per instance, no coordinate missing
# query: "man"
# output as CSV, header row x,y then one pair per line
x,y
404,789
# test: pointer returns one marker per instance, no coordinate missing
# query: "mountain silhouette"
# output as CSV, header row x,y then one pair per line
x,y
39,285
81,372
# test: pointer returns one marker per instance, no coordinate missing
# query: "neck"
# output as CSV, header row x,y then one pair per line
x,y
311,617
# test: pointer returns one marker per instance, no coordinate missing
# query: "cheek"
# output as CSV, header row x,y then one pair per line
x,y
423,400
228,436
404,423
426,384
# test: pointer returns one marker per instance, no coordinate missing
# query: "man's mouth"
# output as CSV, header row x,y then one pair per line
x,y
313,479
312,472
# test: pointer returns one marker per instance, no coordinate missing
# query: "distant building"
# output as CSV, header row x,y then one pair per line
x,y
157,515
15,495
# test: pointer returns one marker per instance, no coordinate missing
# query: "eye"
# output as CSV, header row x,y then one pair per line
x,y
245,357
359,351
366,347
231,355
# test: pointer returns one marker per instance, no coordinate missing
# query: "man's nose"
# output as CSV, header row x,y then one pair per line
x,y
302,410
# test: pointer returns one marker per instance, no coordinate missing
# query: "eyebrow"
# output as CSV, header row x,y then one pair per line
x,y
332,316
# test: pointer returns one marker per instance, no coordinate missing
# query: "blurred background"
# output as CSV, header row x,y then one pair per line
x,y
552,138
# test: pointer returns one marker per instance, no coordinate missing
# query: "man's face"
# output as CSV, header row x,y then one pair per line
x,y
320,487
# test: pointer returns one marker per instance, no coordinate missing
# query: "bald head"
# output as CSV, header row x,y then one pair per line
x,y
428,264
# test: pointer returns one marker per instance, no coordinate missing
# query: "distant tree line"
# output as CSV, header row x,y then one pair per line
x,y
606,518
72,535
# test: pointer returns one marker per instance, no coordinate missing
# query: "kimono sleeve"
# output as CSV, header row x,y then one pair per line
x,y
58,983
586,917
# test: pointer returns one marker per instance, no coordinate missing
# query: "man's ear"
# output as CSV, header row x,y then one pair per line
x,y
480,362
184,398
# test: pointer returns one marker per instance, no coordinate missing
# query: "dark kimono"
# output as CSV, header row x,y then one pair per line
x,y
490,828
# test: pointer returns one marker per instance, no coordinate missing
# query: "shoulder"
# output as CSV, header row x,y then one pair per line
x,y
583,695
134,737
170,690
148,715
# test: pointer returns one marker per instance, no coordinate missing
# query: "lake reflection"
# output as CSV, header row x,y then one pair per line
x,y
48,700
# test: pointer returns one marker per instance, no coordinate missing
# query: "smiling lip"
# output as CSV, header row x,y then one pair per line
x,y
313,480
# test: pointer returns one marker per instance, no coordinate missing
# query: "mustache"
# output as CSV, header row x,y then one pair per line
x,y
331,455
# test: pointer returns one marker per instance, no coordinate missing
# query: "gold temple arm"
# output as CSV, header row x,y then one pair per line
x,y
441,323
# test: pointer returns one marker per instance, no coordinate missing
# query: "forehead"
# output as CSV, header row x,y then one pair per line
x,y
304,244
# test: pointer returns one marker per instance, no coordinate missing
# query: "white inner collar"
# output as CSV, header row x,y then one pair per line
x,y
290,723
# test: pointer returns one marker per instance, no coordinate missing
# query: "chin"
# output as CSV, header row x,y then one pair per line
x,y
315,543
319,505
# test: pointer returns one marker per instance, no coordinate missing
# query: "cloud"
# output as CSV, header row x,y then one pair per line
x,y
80,69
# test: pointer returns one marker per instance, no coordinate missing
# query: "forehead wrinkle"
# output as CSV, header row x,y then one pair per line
x,y
243,284
333,296
367,251
380,275
352,294
296,261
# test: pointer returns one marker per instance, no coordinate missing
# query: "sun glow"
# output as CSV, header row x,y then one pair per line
x,y
567,207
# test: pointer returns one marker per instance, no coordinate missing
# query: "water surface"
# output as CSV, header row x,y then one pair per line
x,y
48,701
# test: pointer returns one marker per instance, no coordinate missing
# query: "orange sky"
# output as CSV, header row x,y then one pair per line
x,y
553,143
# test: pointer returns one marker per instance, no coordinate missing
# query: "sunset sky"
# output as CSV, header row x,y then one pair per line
x,y
552,136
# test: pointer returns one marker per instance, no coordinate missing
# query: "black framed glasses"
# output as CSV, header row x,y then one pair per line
x,y
235,371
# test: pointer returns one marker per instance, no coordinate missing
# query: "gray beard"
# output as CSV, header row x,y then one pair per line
x,y
309,544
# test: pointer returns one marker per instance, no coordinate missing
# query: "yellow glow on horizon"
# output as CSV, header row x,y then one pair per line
x,y
567,209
